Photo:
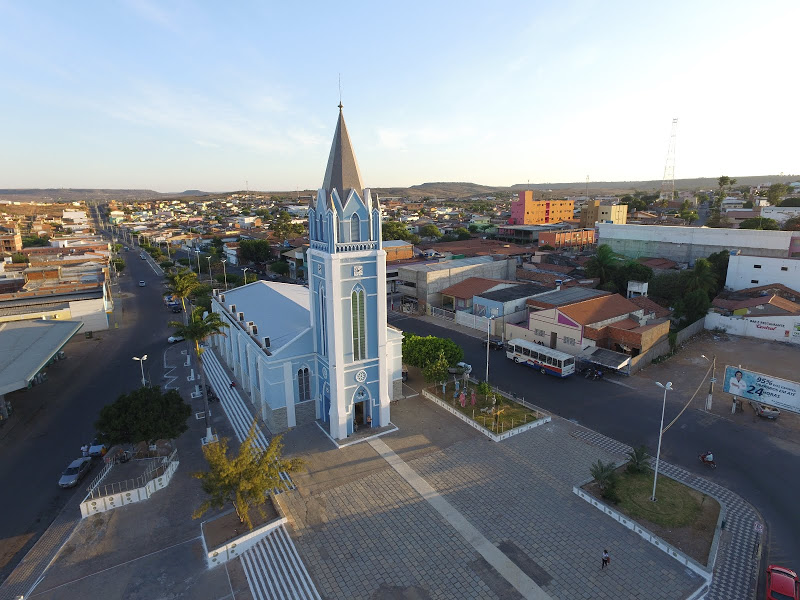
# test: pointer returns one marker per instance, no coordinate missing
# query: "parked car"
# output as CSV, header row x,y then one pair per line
x,y
76,471
96,448
174,338
782,584
142,283
765,410
461,368
176,308
495,343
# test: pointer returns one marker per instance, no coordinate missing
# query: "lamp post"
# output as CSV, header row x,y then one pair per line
x,y
711,380
141,364
208,258
224,273
245,275
666,388
488,327
197,252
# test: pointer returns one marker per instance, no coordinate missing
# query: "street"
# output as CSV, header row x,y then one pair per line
x,y
755,467
95,373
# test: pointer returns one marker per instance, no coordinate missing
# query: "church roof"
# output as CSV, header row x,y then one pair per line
x,y
342,172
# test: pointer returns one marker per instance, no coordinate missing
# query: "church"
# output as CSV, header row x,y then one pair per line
x,y
324,352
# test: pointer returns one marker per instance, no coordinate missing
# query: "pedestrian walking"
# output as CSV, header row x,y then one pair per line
x,y
606,559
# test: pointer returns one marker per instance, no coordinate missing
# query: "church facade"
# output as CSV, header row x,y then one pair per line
x,y
324,352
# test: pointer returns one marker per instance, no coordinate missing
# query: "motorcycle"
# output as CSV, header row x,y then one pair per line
x,y
703,459
593,374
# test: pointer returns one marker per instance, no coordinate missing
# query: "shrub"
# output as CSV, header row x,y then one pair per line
x,y
639,460
603,474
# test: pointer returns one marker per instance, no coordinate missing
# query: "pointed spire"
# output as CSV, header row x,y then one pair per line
x,y
342,172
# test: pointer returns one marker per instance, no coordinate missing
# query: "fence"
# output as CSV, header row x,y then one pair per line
x,y
155,469
443,314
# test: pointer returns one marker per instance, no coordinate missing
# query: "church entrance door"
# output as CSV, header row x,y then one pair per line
x,y
359,415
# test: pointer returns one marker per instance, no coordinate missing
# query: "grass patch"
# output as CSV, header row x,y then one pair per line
x,y
682,516
494,411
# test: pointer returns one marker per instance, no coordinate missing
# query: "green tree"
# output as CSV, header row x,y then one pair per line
x,y
29,241
395,230
243,480
19,258
462,233
146,414
792,224
430,231
603,473
182,285
791,202
775,192
667,286
437,369
639,460
421,351
689,216
256,251
283,228
119,264
719,264
760,223
198,329
630,271
702,277
602,264
692,306
216,242
473,228
281,267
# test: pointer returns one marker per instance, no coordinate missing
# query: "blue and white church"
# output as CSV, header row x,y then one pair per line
x,y
324,352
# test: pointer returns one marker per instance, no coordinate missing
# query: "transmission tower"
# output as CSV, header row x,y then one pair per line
x,y
668,183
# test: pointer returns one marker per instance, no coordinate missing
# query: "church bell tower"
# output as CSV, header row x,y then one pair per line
x,y
347,288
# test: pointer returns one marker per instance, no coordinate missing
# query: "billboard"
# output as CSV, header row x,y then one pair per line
x,y
762,388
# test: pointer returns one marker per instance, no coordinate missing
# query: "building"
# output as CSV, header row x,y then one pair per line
x,y
603,211
527,211
10,240
604,328
330,356
422,283
768,312
750,271
398,250
687,244
780,213
567,238
526,234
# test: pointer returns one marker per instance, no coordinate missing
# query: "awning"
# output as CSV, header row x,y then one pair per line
x,y
607,358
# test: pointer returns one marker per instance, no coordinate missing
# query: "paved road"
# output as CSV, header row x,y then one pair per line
x,y
759,470
95,373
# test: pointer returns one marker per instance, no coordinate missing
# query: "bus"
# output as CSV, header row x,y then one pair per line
x,y
541,357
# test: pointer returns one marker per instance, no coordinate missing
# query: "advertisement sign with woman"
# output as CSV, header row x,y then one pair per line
x,y
762,388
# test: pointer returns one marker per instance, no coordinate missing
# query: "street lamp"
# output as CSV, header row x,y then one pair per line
x,y
208,258
224,273
711,379
488,326
245,275
666,388
197,252
141,364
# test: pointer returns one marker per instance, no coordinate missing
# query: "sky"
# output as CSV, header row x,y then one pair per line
x,y
175,95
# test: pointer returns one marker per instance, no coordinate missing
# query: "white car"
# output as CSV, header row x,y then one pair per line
x,y
142,284
461,368
76,470
174,338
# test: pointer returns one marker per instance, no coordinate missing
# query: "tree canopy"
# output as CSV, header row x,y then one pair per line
x,y
602,264
395,230
775,192
29,241
421,351
256,251
283,228
760,223
243,480
791,202
792,224
430,231
280,268
182,285
145,414
437,369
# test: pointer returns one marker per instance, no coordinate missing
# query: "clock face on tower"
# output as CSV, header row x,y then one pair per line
x,y
358,271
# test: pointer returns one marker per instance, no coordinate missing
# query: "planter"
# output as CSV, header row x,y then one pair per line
x,y
225,538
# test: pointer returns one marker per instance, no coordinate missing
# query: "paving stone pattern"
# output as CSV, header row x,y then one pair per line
x,y
377,532
735,570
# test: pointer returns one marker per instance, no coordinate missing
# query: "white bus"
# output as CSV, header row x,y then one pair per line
x,y
541,357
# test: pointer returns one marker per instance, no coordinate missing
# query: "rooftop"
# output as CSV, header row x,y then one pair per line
x,y
567,296
595,310
472,286
524,290
449,264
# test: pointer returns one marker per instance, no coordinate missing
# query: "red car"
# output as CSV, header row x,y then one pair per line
x,y
782,584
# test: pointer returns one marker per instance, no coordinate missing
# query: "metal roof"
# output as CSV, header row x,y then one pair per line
x,y
449,264
570,295
27,346
525,290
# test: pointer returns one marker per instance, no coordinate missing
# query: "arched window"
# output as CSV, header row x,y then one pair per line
x,y
303,385
323,322
358,310
355,228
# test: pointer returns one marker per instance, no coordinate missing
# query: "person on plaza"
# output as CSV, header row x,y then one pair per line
x,y
85,450
369,421
606,559
233,384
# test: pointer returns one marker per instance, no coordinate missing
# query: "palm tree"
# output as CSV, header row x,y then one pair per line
x,y
603,473
639,460
602,264
199,328
702,277
182,285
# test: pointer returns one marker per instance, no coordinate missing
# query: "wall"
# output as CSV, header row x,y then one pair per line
x,y
91,312
687,244
743,274
779,329
429,284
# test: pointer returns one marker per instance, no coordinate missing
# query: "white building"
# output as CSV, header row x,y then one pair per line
x,y
753,271
780,213
324,352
